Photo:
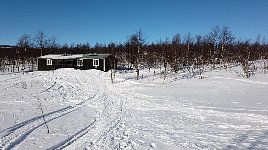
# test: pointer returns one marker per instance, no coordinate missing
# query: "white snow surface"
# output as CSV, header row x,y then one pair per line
x,y
84,110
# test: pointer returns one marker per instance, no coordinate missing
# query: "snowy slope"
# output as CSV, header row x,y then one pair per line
x,y
83,110
222,111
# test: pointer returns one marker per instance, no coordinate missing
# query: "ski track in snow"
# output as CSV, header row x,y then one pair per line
x,y
108,117
108,113
13,136
8,87
74,137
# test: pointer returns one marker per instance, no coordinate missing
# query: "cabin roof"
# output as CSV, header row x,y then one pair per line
x,y
95,56
75,56
57,56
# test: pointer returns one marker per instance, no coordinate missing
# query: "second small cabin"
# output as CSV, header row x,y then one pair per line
x,y
78,61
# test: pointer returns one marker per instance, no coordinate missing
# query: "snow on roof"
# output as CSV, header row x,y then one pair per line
x,y
6,46
95,56
75,56
54,56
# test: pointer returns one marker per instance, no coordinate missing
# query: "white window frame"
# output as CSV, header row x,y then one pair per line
x,y
104,65
79,64
49,62
96,62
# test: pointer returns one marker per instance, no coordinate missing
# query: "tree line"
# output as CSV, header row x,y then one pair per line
x,y
188,52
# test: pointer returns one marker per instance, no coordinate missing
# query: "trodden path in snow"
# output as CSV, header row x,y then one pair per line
x,y
108,117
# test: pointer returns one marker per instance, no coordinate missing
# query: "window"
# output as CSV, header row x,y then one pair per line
x,y
49,62
79,62
95,62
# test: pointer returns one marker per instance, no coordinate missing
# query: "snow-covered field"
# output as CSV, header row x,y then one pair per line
x,y
84,110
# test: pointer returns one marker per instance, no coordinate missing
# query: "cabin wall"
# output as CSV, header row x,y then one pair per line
x,y
88,64
64,63
72,63
42,65
100,67
108,63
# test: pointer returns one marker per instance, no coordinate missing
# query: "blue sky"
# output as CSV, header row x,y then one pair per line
x,y
104,21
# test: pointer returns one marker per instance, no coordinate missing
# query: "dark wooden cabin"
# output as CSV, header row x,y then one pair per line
x,y
102,62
